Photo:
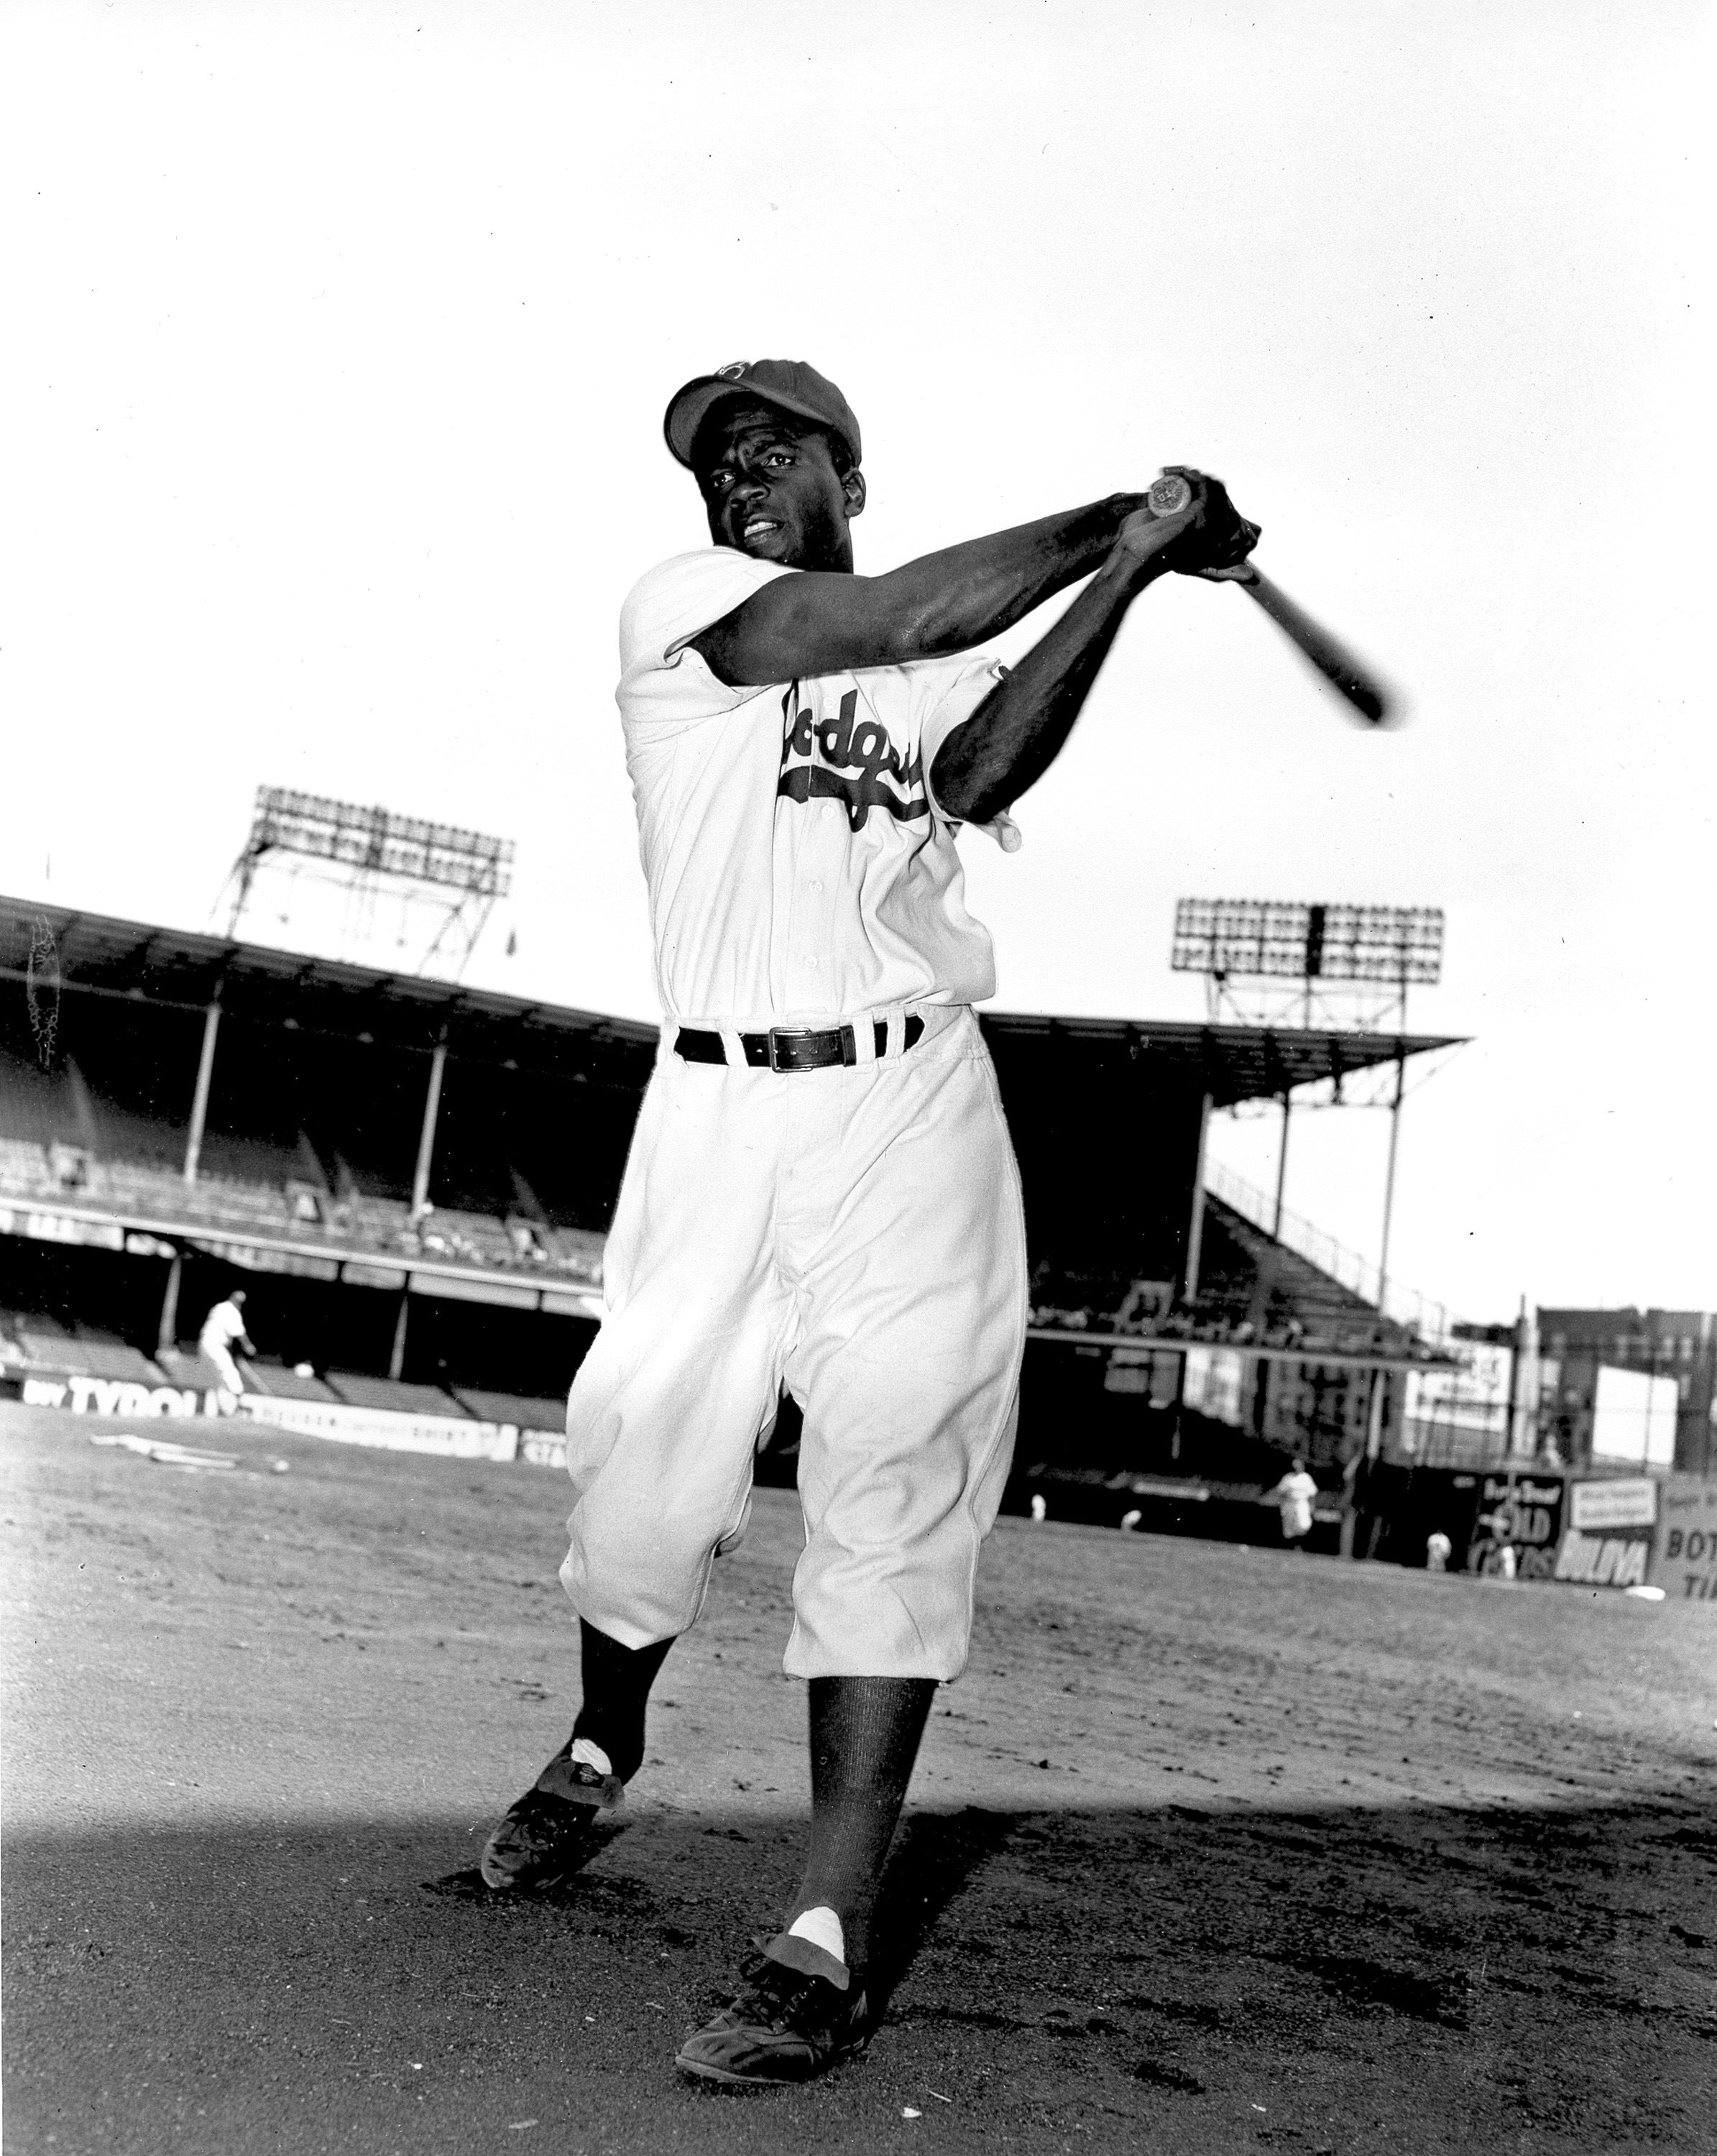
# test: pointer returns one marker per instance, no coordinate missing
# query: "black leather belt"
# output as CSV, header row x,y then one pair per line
x,y
780,1049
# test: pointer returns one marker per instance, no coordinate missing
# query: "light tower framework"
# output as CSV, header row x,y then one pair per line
x,y
444,879
1288,962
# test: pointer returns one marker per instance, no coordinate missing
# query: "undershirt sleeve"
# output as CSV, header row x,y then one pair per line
x,y
958,694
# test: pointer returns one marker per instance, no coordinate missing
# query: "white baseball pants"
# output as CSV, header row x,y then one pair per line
x,y
215,1352
857,1233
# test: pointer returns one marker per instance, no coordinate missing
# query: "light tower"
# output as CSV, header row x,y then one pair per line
x,y
372,883
1273,963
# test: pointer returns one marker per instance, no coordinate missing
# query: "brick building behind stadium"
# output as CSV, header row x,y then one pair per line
x,y
1677,1344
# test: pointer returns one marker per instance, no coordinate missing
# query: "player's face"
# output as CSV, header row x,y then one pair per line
x,y
773,491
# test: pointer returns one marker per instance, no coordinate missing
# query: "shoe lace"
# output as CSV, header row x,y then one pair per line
x,y
551,1817
774,1995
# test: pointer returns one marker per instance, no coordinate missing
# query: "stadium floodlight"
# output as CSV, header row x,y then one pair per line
x,y
1259,939
378,841
441,881
1371,953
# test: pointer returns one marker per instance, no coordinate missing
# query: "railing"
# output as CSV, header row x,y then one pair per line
x,y
1431,1321
365,1226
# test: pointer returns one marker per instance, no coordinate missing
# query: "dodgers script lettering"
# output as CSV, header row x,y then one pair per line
x,y
847,759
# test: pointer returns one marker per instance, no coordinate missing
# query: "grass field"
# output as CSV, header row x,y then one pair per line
x,y
1212,1849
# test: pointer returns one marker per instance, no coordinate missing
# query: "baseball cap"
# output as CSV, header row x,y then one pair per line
x,y
790,384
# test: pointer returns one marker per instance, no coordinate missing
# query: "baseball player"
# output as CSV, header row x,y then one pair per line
x,y
820,1192
1294,1495
223,1330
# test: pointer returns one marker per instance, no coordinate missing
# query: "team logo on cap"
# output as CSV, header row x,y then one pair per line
x,y
733,371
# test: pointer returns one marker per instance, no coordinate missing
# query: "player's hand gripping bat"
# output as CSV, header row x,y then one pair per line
x,y
1168,497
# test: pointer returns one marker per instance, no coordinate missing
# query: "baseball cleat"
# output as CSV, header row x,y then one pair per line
x,y
547,1835
788,2020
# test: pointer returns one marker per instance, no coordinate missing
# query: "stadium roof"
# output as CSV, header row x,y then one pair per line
x,y
93,954
131,959
1230,1062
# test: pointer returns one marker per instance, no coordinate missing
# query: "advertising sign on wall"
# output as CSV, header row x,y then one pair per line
x,y
115,1396
1686,1540
1520,1512
1214,1379
61,1227
1128,1370
1610,1524
453,1438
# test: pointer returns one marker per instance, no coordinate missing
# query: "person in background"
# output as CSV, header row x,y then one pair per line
x,y
1293,1494
222,1329
1439,1550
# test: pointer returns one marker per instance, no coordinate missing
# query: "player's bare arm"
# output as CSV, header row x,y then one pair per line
x,y
1020,727
781,492
830,623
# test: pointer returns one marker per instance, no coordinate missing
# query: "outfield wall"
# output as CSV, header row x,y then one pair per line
x,y
1597,1533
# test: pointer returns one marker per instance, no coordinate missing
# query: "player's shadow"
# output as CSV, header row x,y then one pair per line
x,y
234,1986
935,1856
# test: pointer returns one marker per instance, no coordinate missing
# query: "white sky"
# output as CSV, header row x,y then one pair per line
x,y
337,343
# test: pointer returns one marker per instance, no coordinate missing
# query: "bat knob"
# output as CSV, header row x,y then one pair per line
x,y
1169,496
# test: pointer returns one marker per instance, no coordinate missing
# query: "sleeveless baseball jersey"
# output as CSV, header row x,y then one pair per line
x,y
799,871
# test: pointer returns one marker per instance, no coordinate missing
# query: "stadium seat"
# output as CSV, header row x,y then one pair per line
x,y
276,1382
82,1356
512,1407
391,1395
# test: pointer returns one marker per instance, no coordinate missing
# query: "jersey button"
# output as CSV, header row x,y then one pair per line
x,y
811,962
816,884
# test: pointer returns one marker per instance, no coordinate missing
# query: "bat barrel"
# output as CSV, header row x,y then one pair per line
x,y
1339,666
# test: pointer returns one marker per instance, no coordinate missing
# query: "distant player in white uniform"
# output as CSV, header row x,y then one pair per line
x,y
1295,1494
223,1330
820,1192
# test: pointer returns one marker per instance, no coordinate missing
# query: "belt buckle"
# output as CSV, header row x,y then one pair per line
x,y
776,1035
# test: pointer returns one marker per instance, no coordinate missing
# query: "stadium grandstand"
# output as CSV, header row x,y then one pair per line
x,y
412,1180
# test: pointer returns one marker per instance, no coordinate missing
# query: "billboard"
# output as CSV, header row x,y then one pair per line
x,y
1687,1539
1214,1384
1611,1528
1633,1417
1522,1512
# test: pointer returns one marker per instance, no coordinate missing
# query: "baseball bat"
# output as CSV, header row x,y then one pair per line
x,y
1339,666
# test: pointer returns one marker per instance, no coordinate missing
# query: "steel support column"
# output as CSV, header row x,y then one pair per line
x,y
426,1138
168,1333
199,1099
1395,1134
396,1360
1196,1224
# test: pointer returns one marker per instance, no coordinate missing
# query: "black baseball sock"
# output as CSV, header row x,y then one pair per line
x,y
617,1682
864,1734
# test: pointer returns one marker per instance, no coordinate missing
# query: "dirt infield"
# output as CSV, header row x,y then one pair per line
x,y
1213,1849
